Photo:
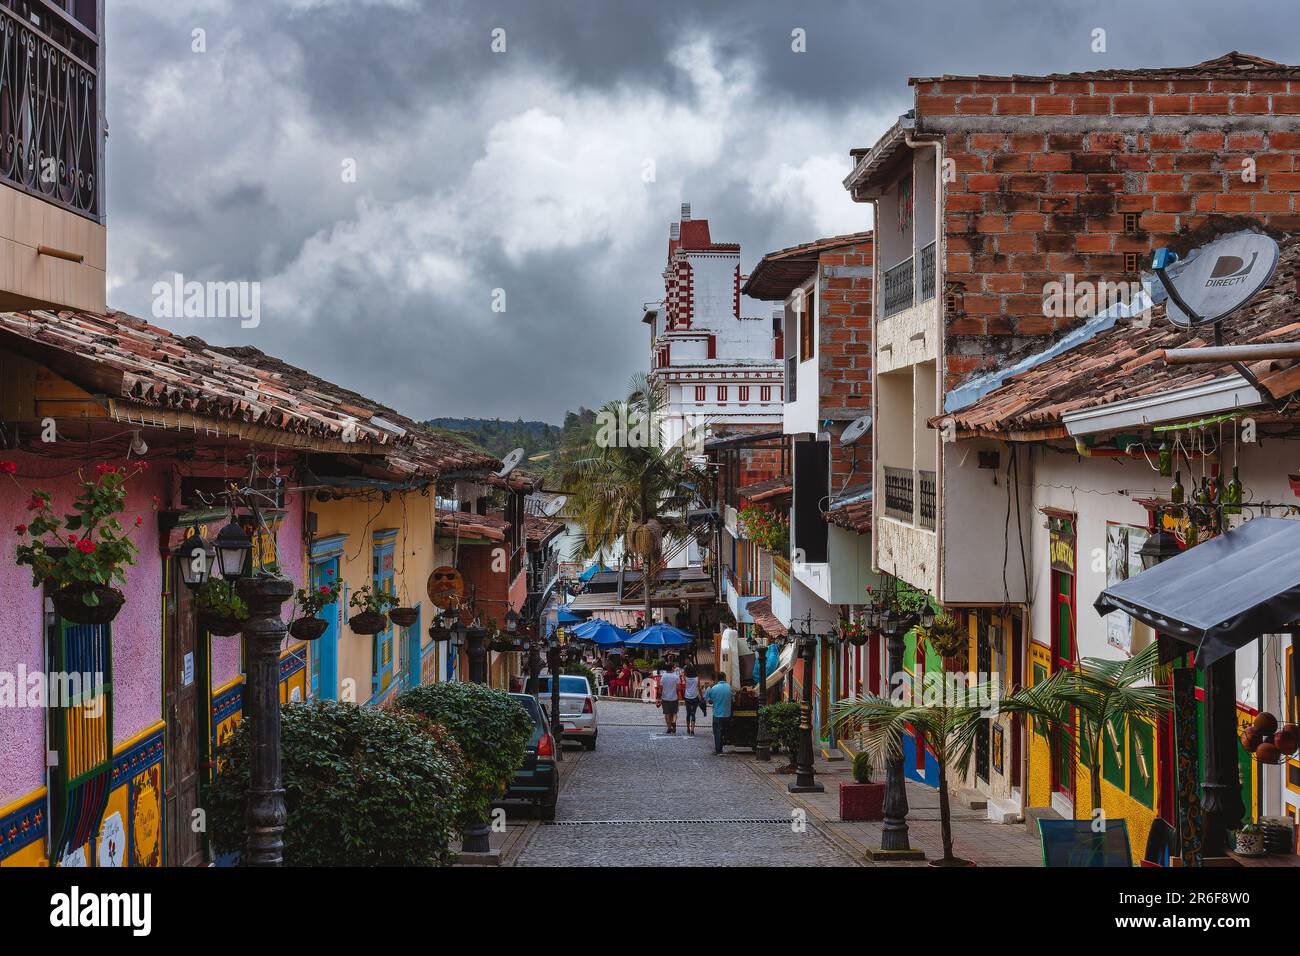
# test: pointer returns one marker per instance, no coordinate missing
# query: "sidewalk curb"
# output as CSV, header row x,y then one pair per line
x,y
572,759
858,853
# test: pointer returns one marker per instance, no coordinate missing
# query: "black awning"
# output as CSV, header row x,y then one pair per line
x,y
1221,594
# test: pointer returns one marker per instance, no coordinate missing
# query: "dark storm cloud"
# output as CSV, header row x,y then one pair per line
x,y
521,171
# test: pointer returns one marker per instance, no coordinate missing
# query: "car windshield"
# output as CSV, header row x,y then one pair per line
x,y
569,684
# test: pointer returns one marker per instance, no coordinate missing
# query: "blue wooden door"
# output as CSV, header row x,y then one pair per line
x,y
324,651
382,656
411,662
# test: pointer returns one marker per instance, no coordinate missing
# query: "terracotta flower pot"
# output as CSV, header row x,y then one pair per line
x,y
308,628
862,801
70,606
367,623
403,616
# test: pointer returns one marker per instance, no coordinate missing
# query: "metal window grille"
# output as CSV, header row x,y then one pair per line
x,y
926,479
899,488
899,291
927,272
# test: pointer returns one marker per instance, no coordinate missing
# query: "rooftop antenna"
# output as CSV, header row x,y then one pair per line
x,y
511,462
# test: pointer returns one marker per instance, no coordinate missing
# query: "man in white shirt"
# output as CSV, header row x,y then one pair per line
x,y
670,685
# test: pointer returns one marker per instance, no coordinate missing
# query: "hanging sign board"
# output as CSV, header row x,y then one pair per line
x,y
445,587
1220,277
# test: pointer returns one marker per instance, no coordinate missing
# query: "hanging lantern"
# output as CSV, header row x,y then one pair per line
x,y
195,559
233,548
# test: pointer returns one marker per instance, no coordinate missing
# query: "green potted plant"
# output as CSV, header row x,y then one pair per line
x,y
371,603
781,721
221,611
855,632
1249,840
308,603
946,636
80,555
862,799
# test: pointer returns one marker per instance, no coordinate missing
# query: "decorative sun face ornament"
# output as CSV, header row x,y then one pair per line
x,y
445,587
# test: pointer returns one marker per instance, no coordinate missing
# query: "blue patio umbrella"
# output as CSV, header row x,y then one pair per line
x,y
659,635
601,633
565,616
591,572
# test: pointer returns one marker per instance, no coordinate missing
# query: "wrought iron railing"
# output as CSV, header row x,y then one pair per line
x,y
899,293
50,124
926,480
927,272
899,490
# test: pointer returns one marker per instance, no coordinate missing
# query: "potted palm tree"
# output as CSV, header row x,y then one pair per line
x,y
948,723
1079,703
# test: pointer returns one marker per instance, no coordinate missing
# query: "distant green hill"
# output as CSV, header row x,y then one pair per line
x,y
499,437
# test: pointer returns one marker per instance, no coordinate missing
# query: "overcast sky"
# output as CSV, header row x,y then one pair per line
x,y
525,170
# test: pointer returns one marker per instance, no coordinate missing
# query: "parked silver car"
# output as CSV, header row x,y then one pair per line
x,y
577,707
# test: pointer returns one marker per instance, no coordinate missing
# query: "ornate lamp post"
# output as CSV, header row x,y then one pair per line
x,y
887,618
553,652
477,653
263,633
763,743
805,780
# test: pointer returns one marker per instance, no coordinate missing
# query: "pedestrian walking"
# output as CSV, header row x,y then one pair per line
x,y
670,686
691,695
719,698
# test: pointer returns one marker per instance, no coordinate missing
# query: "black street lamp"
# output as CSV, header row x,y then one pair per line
x,y
805,780
475,634
1157,548
762,743
553,651
233,545
195,560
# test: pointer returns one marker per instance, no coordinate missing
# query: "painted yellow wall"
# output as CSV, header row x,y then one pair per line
x,y
412,515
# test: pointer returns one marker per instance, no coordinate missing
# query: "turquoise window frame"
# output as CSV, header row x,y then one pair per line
x,y
384,643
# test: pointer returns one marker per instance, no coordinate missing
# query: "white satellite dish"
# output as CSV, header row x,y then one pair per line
x,y
857,428
511,462
553,506
1216,279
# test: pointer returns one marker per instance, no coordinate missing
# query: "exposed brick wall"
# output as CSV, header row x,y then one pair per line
x,y
490,588
1045,170
844,344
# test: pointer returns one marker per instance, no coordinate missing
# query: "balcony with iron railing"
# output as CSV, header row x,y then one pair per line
x,y
928,487
927,273
899,493
899,291
51,128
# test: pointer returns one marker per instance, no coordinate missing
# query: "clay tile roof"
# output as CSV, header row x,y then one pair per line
x,y
132,361
778,273
541,530
761,611
468,524
1233,64
764,490
1126,362
852,513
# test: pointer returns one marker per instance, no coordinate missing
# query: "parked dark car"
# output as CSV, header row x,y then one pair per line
x,y
537,779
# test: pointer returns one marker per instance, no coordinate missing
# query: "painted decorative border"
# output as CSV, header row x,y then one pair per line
x,y
227,702
292,662
24,825
137,757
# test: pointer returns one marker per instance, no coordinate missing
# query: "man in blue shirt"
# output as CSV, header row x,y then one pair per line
x,y
719,698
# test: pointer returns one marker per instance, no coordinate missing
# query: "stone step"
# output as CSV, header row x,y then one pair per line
x,y
972,799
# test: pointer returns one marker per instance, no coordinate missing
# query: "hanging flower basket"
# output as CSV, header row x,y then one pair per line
x,y
946,637
368,623
308,628
220,625
502,647
855,632
403,616
70,603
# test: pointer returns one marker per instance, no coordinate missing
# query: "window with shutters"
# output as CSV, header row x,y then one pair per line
x,y
744,393
722,393
699,393
806,326
765,393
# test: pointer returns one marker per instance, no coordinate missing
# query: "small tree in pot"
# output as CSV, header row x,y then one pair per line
x,y
862,799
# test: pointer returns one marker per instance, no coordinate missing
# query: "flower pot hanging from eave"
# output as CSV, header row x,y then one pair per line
x,y
70,604
403,616
220,625
368,623
308,628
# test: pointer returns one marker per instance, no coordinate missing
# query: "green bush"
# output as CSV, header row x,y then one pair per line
x,y
491,729
782,723
862,767
363,787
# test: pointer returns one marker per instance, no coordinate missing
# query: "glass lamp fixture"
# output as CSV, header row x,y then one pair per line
x,y
195,561
233,547
927,615
1157,548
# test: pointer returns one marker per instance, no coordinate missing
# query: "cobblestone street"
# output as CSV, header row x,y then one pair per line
x,y
643,798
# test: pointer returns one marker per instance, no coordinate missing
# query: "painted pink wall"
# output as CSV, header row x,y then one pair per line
x,y
137,637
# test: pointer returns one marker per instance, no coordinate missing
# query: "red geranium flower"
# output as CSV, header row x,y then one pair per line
x,y
34,502
21,529
139,521
86,546
8,468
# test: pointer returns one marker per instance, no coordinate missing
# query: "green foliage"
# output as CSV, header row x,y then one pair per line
x,y
782,723
363,787
767,528
366,598
491,729
218,598
310,601
862,767
86,547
